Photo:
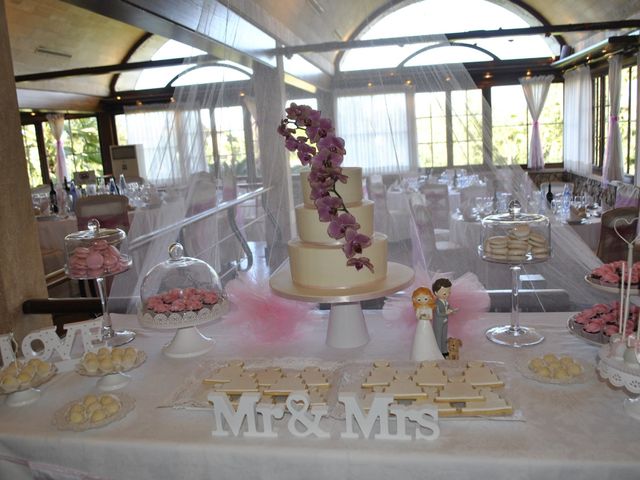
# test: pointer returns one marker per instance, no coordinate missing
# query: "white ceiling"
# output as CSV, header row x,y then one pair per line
x,y
83,38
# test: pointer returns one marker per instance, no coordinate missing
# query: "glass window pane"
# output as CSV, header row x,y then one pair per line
x,y
82,145
436,16
32,155
510,118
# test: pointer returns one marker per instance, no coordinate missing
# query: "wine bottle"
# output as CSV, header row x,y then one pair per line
x,y
53,199
549,195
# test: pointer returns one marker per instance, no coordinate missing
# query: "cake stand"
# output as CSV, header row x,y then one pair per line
x,y
621,374
347,326
513,335
188,341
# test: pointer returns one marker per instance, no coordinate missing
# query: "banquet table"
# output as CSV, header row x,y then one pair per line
x,y
557,431
469,233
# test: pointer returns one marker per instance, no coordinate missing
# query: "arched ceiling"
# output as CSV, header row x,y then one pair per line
x,y
53,35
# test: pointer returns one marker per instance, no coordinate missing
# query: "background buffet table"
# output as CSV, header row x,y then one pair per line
x,y
558,431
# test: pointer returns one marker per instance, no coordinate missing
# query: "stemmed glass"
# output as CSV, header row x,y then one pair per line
x,y
93,255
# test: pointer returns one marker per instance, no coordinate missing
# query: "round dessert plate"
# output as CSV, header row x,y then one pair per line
x,y
109,381
530,260
575,329
140,359
608,287
27,394
522,365
61,416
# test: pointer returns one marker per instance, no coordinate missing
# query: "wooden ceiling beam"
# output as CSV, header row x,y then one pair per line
x,y
470,35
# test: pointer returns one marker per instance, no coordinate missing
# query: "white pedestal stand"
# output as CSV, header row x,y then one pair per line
x,y
188,342
347,326
621,374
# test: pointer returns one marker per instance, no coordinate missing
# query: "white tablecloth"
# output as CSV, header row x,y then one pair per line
x,y
570,431
469,234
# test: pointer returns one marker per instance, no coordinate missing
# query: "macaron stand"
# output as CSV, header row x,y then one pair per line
x,y
515,239
94,254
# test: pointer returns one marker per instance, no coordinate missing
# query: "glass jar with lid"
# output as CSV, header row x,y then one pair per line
x,y
95,252
515,237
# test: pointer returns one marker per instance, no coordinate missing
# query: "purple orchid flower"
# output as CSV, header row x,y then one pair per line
x,y
305,151
321,185
291,143
360,262
340,224
328,207
325,158
355,242
299,113
333,144
318,127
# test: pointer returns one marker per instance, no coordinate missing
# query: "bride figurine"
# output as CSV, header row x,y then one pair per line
x,y
425,346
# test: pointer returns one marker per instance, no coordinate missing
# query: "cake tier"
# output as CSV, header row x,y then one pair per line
x,y
351,192
310,229
325,266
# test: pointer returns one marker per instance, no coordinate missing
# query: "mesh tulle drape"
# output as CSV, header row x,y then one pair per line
x,y
612,167
384,136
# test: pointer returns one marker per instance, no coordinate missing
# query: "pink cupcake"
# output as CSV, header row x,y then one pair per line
x,y
593,331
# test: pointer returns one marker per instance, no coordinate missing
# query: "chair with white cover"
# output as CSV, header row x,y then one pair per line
x,y
200,239
441,255
112,211
468,196
610,246
627,196
436,198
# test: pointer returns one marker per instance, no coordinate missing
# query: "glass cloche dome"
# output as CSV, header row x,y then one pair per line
x,y
94,253
515,237
180,291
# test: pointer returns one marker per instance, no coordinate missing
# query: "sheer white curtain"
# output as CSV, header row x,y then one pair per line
x,y
535,91
172,141
375,131
578,126
612,168
636,179
56,123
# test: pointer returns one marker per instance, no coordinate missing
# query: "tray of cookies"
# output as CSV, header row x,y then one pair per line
x,y
93,411
552,368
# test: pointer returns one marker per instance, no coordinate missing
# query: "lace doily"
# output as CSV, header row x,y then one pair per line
x,y
618,373
174,320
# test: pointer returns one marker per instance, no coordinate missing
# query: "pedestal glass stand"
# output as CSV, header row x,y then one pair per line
x,y
109,335
347,327
514,335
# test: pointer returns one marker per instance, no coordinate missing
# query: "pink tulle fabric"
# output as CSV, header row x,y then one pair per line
x,y
271,319
468,295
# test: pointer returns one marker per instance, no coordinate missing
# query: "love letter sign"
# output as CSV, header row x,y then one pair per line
x,y
90,332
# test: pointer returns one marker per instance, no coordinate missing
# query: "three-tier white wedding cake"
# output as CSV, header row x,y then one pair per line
x,y
316,259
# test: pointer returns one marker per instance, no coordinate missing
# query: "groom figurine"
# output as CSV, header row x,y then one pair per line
x,y
442,289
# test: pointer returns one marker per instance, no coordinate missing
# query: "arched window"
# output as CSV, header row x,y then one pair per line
x,y
433,17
